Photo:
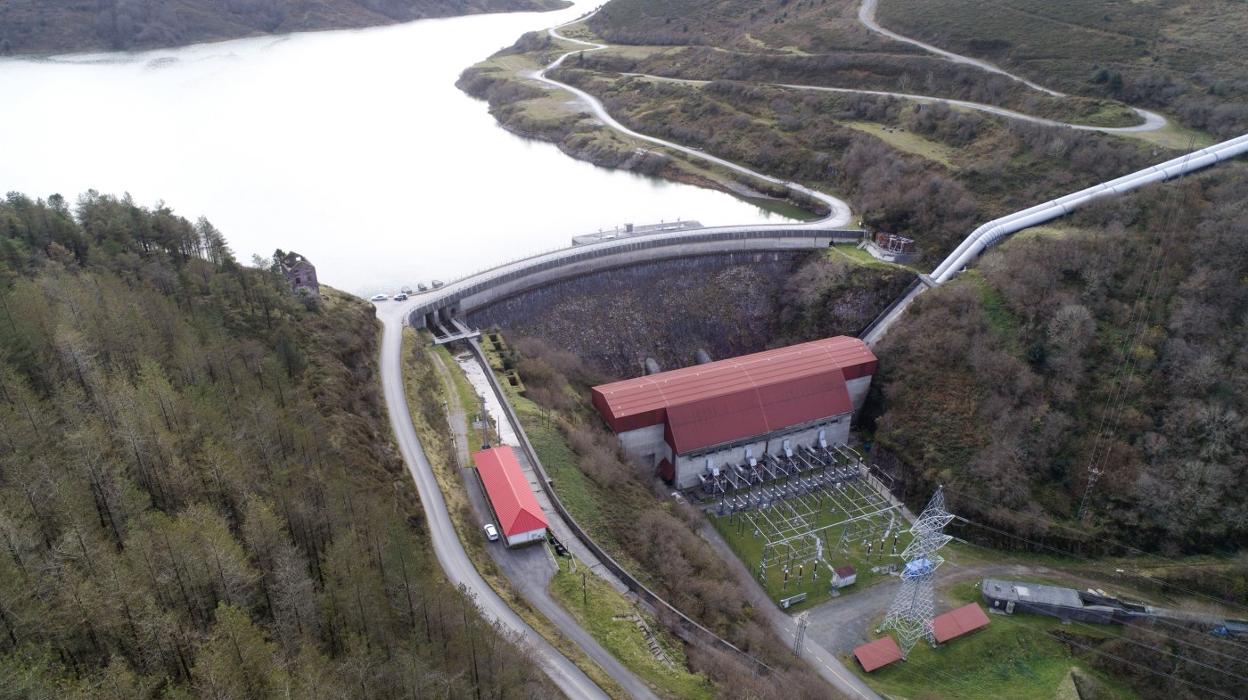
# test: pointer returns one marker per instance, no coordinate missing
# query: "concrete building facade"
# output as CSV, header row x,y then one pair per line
x,y
693,421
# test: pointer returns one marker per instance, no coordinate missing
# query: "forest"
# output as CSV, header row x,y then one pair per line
x,y
64,26
1116,344
199,496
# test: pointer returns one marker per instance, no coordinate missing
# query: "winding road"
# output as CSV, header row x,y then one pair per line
x,y
866,15
839,212
1152,120
446,545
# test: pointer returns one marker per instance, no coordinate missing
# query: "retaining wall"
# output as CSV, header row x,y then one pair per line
x,y
689,628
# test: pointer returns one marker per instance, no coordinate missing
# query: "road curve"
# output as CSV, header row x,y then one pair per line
x,y
866,15
839,212
446,545
1152,121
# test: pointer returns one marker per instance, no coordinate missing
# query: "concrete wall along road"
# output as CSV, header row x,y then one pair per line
x,y
687,628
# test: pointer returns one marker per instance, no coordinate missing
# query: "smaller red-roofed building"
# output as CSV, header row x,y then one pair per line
x,y
877,654
515,507
956,623
843,576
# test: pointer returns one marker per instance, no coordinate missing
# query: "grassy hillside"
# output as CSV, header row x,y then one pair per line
x,y
816,43
60,26
1184,56
198,492
995,166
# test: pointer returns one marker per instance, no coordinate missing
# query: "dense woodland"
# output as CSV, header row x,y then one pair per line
x,y
198,493
1120,345
61,26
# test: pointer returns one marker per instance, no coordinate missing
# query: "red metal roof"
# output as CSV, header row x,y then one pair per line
x,y
509,491
845,571
726,400
881,652
956,623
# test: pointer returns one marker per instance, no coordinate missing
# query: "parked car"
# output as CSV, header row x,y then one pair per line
x,y
400,297
491,532
422,287
378,297
437,283
405,289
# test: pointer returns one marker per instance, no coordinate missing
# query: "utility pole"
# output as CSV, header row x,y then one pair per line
x,y
1093,475
800,637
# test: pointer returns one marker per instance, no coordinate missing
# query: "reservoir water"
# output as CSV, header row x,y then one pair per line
x,y
352,147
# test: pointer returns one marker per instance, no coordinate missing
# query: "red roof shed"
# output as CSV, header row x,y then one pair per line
x,y
956,623
722,401
881,652
509,493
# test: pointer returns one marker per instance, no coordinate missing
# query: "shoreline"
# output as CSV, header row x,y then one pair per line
x,y
103,52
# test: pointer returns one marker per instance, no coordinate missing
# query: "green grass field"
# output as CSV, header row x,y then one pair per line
x,y
609,617
1015,657
907,141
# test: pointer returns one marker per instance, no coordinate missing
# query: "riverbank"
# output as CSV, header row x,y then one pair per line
x,y
526,108
35,28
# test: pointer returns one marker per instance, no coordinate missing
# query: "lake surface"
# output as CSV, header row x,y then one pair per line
x,y
352,147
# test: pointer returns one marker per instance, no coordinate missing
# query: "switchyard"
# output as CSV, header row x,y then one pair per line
x,y
795,518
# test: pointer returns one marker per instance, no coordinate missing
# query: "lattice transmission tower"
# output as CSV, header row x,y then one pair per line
x,y
911,613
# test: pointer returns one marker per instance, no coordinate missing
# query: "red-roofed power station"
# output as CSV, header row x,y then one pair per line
x,y
512,500
690,422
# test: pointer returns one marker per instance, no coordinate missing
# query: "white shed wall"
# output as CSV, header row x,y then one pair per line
x,y
526,537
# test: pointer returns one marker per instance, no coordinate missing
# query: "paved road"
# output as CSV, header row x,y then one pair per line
x,y
839,211
530,569
446,545
825,663
866,15
1151,123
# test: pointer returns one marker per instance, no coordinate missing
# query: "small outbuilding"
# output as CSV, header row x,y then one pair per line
x,y
843,576
514,505
956,623
1067,604
877,654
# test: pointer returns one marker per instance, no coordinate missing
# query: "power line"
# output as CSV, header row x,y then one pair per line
x,y
1170,562
1148,289
1168,676
1061,551
1157,620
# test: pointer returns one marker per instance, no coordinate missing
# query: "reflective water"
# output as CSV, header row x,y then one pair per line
x,y
352,147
